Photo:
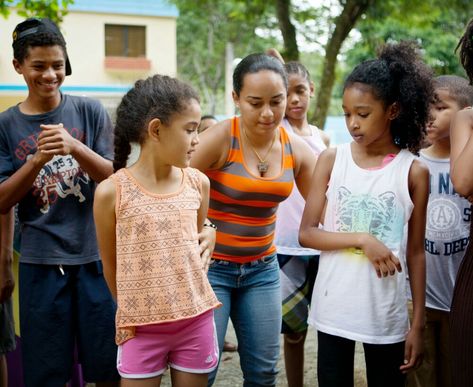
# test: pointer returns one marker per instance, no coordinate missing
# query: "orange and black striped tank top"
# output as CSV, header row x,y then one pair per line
x,y
243,205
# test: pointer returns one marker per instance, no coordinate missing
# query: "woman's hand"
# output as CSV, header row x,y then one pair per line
x,y
207,239
383,260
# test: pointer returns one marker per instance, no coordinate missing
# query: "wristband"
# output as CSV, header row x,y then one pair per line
x,y
210,224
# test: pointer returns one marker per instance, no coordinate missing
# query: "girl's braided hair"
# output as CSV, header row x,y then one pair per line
x,y
294,67
158,96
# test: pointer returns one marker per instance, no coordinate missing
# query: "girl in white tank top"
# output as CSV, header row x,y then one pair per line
x,y
366,200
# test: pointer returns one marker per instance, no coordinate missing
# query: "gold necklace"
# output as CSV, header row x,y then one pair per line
x,y
262,165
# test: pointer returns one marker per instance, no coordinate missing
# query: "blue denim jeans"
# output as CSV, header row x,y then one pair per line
x,y
251,297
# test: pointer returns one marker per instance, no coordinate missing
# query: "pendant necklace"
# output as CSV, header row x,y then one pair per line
x,y
262,165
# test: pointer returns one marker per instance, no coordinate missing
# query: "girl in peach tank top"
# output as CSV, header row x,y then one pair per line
x,y
148,217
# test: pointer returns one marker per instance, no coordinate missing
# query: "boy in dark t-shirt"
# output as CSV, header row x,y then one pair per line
x,y
54,148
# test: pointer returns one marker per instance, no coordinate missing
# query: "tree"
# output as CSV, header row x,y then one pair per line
x,y
52,9
288,31
435,25
205,28
344,23
352,10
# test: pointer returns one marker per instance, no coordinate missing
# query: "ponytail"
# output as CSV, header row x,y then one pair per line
x,y
158,96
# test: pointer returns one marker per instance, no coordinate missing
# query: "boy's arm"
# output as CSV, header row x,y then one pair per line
x,y
419,190
461,155
14,188
325,137
7,282
105,225
54,139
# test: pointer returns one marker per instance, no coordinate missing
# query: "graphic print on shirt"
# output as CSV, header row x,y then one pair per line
x,y
447,219
61,176
376,215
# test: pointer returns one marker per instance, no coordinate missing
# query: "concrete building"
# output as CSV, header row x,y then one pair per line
x,y
110,43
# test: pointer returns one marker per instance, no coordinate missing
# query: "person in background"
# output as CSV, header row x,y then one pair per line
x,y
206,122
54,149
461,160
298,265
447,232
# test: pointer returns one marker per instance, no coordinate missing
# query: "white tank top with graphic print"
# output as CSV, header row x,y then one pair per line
x,y
349,300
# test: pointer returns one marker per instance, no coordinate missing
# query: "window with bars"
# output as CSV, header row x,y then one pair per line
x,y
125,41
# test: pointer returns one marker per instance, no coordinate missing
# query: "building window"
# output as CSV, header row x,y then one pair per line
x,y
125,41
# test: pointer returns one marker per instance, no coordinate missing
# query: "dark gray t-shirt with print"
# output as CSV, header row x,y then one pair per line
x,y
56,215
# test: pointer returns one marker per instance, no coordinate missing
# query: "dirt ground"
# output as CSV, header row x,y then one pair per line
x,y
229,373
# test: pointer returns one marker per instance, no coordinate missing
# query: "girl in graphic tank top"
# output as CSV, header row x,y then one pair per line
x,y
366,199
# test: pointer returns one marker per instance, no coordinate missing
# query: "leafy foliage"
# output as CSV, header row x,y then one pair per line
x,y
206,29
435,25
52,9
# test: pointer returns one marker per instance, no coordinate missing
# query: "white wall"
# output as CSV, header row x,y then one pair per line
x,y
85,37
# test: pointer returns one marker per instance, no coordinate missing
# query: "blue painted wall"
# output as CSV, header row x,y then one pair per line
x,y
128,7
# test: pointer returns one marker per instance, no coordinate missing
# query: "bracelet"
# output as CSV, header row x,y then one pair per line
x,y
210,224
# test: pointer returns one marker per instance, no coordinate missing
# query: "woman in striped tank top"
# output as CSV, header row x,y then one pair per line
x,y
461,316
252,163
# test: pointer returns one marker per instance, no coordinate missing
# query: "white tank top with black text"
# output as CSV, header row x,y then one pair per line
x,y
446,234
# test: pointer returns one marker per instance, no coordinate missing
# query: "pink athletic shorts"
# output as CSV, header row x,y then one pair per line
x,y
188,345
